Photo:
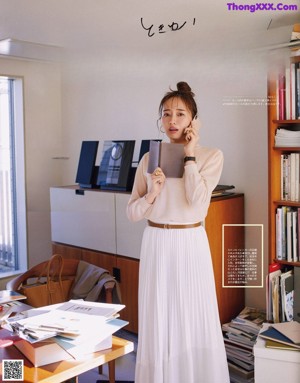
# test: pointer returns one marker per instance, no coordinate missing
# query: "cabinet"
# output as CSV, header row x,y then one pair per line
x,y
118,251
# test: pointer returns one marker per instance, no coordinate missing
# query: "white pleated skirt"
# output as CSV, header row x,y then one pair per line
x,y
180,338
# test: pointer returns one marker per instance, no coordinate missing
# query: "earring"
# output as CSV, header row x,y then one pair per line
x,y
160,128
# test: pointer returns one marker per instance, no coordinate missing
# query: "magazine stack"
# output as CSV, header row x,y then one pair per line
x,y
239,337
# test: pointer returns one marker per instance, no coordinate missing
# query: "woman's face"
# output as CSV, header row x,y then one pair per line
x,y
175,119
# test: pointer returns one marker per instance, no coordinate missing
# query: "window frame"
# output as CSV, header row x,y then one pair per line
x,y
18,126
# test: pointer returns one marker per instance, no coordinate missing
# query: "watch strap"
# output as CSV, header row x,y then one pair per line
x,y
187,158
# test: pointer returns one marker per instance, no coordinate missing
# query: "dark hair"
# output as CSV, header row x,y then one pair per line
x,y
184,92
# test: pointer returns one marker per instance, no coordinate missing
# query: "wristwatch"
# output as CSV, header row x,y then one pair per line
x,y
189,159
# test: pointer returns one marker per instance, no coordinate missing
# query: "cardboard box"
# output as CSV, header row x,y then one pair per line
x,y
276,366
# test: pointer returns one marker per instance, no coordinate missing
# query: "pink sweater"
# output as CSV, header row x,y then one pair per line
x,y
182,200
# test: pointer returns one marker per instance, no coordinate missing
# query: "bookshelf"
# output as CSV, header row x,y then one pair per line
x,y
274,159
283,194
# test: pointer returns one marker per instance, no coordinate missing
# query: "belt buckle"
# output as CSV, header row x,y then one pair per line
x,y
166,226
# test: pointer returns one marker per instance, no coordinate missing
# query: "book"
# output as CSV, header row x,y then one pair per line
x,y
42,353
273,334
280,346
7,296
168,156
289,329
287,295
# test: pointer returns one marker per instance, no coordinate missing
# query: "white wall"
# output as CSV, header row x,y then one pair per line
x,y
42,115
118,97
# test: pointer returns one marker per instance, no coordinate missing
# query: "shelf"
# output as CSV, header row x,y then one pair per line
x,y
286,122
287,203
297,264
287,148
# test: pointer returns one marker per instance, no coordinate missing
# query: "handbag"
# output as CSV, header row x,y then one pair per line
x,y
53,289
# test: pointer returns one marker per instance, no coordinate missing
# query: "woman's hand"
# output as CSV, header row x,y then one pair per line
x,y
158,180
192,137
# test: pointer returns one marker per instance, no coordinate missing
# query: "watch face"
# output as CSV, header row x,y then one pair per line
x,y
116,152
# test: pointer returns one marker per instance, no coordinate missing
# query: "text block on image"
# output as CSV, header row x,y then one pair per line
x,y
242,259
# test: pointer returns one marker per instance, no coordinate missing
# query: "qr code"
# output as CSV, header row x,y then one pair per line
x,y
12,370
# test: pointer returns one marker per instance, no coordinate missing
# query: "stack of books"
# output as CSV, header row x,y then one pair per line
x,y
239,337
283,336
287,137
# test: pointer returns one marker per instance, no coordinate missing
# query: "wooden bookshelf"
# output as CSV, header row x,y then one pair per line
x,y
274,161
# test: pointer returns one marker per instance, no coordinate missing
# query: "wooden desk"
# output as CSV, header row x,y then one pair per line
x,y
64,370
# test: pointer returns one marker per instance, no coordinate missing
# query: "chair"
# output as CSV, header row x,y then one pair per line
x,y
69,271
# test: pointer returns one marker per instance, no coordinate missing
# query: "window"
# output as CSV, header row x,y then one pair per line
x,y
13,246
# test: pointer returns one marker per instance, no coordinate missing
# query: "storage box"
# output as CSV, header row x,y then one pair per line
x,y
273,365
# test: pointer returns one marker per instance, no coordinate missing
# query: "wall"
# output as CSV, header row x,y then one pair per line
x,y
42,114
117,97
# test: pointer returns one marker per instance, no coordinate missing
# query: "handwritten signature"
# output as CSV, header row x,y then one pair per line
x,y
162,28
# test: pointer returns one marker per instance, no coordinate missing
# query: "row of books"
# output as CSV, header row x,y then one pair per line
x,y
288,92
289,176
288,233
239,337
280,294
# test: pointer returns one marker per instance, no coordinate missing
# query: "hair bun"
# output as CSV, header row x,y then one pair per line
x,y
184,87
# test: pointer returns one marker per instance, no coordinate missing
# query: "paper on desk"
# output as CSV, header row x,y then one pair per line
x,y
106,310
100,332
96,340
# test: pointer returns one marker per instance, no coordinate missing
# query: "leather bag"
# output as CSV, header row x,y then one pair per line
x,y
49,288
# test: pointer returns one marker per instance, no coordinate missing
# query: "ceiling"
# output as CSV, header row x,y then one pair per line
x,y
69,28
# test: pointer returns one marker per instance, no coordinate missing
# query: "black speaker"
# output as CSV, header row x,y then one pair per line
x,y
115,165
87,171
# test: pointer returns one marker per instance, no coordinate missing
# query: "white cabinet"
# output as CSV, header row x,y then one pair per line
x,y
83,218
94,219
276,366
129,234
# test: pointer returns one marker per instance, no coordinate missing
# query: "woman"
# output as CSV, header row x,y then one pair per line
x,y
180,337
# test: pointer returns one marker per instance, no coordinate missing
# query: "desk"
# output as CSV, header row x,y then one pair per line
x,y
61,371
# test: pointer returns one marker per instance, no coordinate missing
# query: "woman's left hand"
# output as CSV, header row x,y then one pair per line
x,y
192,137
